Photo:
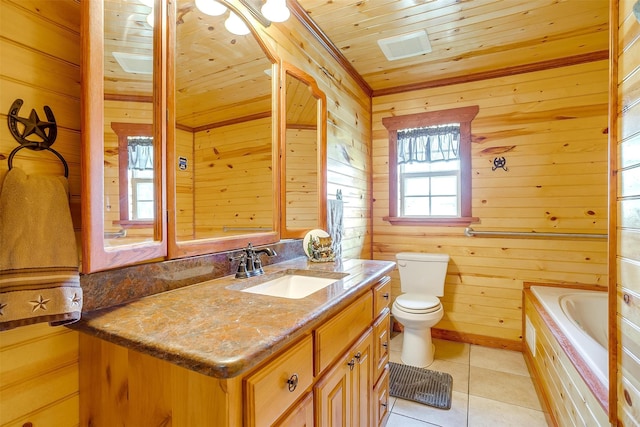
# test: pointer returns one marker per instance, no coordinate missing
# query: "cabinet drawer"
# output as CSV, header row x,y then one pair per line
x,y
332,338
382,337
268,392
381,295
381,399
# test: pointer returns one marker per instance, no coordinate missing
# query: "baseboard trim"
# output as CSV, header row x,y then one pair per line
x,y
482,340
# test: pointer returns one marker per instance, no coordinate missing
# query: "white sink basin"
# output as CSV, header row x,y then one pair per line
x,y
292,286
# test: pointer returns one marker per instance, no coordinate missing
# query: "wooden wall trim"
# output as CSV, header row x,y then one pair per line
x,y
502,72
234,121
324,40
127,98
614,11
477,339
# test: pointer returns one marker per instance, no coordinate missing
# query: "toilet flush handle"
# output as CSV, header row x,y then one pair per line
x,y
402,264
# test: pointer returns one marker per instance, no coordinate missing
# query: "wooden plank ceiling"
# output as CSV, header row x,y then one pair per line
x,y
469,38
216,71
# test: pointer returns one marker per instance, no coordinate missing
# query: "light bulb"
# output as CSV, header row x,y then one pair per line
x,y
236,25
276,10
211,7
150,18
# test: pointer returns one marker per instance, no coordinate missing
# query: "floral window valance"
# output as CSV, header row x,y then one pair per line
x,y
140,152
429,144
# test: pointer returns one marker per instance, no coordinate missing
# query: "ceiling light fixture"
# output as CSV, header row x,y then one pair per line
x,y
211,7
276,10
235,25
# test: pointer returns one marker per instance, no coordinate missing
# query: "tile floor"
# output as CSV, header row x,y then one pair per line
x,y
491,387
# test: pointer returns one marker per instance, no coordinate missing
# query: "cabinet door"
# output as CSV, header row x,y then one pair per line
x,y
333,396
362,380
301,415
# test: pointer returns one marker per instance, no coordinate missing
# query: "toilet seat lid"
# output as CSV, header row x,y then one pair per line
x,y
418,302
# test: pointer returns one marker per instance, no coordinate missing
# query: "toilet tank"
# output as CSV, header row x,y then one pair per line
x,y
422,272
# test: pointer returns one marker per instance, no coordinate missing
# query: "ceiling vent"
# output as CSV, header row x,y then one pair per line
x,y
405,45
134,63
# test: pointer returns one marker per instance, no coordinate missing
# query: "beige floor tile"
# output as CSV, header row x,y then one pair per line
x,y
491,413
498,360
396,420
394,356
458,371
451,351
503,387
454,417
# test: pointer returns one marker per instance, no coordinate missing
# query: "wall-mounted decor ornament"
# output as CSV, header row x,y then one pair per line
x,y
44,133
33,133
499,163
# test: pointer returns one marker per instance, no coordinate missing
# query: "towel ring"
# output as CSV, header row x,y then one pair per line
x,y
37,147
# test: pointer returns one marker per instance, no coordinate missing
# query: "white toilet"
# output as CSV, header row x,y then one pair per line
x,y
418,307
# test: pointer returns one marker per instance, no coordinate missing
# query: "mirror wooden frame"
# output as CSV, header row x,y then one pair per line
x,y
321,162
95,256
183,248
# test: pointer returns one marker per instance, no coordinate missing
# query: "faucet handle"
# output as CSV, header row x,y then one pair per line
x,y
242,272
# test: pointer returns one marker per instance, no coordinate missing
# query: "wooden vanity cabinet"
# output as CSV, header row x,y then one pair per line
x,y
340,366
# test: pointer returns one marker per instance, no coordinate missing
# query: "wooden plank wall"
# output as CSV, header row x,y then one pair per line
x,y
348,129
40,48
301,178
185,218
551,127
628,214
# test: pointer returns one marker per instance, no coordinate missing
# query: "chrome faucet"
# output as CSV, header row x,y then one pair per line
x,y
250,263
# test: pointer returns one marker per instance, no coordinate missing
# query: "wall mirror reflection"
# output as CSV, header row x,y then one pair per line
x,y
303,154
129,201
223,163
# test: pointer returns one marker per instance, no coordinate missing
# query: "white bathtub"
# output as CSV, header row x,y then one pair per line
x,y
582,316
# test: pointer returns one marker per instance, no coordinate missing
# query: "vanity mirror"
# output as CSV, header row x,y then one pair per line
x,y
223,170
304,154
123,145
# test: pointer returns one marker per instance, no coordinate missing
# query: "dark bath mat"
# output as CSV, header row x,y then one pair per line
x,y
420,385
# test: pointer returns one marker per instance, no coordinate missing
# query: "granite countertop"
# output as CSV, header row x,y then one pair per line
x,y
215,329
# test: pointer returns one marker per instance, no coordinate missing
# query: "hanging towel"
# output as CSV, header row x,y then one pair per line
x,y
39,279
335,225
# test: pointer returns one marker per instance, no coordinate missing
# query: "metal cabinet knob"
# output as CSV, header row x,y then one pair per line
x,y
385,295
351,364
292,382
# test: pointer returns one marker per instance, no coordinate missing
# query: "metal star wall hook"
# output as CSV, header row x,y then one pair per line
x,y
45,133
499,163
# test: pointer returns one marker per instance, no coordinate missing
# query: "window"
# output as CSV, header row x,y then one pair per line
x,y
430,167
135,157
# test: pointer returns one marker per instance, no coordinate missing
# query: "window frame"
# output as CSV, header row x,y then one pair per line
x,y
462,115
124,131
